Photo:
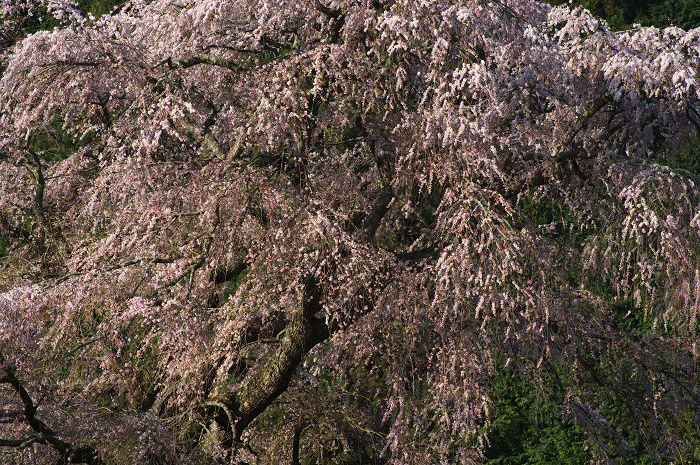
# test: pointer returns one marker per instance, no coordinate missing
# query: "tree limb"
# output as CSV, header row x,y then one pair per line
x,y
336,16
302,422
23,443
373,220
331,13
560,152
273,378
302,333
210,60
44,434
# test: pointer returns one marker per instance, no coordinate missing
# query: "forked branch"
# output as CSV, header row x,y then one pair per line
x,y
42,433
564,150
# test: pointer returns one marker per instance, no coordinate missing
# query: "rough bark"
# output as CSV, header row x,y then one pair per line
x,y
302,333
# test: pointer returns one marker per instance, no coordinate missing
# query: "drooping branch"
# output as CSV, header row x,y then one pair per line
x,y
302,422
117,266
270,44
564,150
620,392
37,174
43,433
21,444
385,169
201,60
416,255
103,112
90,64
228,47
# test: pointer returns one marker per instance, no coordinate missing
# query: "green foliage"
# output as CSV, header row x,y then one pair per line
x,y
688,157
681,13
526,430
53,143
273,417
229,288
631,318
621,14
43,20
611,10
99,7
635,438
350,137
562,224
4,242
16,233
543,211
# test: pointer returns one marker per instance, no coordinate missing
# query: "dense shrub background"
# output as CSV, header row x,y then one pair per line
x,y
622,14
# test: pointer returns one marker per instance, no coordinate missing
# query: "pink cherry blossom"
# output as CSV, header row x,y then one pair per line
x,y
290,228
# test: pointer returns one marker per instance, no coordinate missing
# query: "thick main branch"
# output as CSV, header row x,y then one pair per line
x,y
302,333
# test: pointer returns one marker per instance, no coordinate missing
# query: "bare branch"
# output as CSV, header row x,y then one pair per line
x,y
23,443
